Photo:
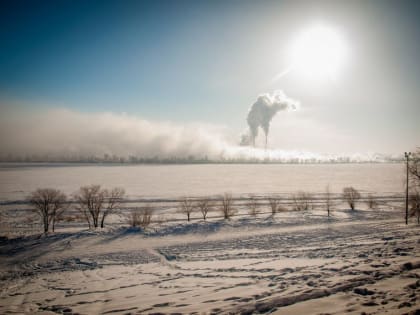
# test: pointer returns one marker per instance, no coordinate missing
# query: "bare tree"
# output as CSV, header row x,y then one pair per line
x,y
60,205
415,205
274,204
328,200
49,204
186,207
91,200
95,203
141,216
113,200
204,206
351,196
227,206
253,206
371,202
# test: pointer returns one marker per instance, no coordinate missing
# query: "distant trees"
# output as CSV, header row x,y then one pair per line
x,y
227,206
186,207
96,203
49,204
351,196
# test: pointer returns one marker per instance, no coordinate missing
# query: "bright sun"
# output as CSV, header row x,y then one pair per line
x,y
318,52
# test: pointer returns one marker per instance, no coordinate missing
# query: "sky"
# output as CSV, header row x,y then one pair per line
x,y
201,65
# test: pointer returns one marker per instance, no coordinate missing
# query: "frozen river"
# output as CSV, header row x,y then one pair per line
x,y
167,181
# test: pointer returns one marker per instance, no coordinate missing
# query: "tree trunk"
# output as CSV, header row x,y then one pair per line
x,y
103,221
95,222
46,225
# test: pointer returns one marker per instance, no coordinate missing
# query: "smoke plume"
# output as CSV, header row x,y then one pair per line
x,y
262,112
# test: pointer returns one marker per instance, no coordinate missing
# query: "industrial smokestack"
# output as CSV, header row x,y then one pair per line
x,y
264,109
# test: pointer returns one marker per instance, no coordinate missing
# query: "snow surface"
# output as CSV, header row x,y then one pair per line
x,y
292,263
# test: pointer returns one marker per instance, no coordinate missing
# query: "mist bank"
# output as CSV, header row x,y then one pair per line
x,y
63,135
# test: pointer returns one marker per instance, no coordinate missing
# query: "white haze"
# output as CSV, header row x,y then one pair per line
x,y
63,134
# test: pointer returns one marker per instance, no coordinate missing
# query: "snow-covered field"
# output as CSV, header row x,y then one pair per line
x,y
292,263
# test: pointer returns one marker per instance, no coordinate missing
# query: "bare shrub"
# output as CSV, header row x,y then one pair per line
x,y
134,217
351,196
301,201
274,204
186,207
415,205
95,203
141,217
227,206
371,202
204,206
49,204
253,206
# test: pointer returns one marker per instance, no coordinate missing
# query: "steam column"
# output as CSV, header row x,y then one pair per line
x,y
407,156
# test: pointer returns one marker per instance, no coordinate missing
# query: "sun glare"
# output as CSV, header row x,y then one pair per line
x,y
318,52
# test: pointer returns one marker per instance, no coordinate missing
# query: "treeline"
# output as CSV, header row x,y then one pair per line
x,y
94,204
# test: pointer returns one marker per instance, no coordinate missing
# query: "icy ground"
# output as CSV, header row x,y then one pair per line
x,y
368,262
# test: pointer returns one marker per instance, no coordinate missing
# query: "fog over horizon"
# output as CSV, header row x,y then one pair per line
x,y
60,133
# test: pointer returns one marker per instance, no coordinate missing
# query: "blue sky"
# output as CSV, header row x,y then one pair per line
x,y
207,61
